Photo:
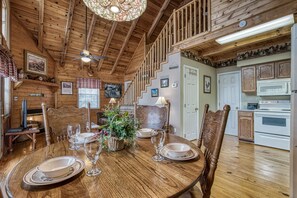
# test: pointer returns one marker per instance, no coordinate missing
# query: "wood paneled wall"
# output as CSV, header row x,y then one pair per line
x,y
137,59
22,40
70,73
226,12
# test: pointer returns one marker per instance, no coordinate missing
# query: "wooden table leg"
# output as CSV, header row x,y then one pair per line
x,y
34,141
10,143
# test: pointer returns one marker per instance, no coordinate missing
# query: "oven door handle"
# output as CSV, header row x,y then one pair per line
x,y
282,115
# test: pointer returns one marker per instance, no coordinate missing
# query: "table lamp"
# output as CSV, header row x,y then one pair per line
x,y
112,101
161,102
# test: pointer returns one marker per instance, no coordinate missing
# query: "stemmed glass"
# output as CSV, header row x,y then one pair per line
x,y
93,148
73,131
158,142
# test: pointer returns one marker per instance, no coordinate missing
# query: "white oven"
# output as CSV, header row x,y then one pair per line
x,y
277,123
272,129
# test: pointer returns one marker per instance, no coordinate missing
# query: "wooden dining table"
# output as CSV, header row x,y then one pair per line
x,y
127,173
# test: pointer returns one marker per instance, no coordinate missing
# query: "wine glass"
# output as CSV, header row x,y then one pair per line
x,y
93,148
158,142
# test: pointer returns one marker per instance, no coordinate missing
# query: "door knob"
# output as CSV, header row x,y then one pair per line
x,y
196,109
236,108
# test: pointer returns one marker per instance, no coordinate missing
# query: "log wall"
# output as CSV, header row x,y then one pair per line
x,y
70,73
22,40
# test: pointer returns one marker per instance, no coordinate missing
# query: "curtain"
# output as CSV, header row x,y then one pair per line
x,y
90,83
7,65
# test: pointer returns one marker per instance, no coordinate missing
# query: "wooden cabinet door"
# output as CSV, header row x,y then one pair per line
x,y
246,126
283,69
248,79
265,71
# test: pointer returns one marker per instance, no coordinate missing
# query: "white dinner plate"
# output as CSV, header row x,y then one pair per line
x,y
192,154
81,137
141,136
35,177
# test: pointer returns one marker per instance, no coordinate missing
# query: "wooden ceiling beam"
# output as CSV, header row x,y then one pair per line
x,y
131,29
40,24
256,39
157,19
67,31
91,29
107,43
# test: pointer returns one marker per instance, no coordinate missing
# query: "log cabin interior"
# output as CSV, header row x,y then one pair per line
x,y
182,73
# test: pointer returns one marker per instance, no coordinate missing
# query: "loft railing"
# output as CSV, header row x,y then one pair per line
x,y
188,21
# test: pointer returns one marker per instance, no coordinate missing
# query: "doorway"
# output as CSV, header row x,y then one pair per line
x,y
229,92
191,103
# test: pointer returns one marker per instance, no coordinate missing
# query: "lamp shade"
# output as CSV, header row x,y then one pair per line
x,y
161,102
112,101
117,10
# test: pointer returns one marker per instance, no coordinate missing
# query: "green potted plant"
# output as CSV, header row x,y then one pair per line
x,y
121,128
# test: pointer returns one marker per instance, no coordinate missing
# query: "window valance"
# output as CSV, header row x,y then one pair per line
x,y
7,65
90,83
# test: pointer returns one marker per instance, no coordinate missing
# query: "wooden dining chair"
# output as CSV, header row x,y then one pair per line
x,y
56,121
210,141
152,116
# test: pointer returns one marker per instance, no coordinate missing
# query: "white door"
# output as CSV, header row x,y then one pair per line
x,y
191,103
229,93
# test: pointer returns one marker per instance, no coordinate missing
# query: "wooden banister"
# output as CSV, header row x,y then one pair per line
x,y
187,21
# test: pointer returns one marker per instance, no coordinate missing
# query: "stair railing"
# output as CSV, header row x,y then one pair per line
x,y
190,20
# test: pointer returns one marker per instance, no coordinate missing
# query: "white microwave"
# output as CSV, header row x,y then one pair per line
x,y
277,87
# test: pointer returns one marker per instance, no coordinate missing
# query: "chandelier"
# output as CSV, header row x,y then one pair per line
x,y
117,10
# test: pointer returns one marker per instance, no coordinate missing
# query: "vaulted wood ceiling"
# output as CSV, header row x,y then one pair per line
x,y
48,20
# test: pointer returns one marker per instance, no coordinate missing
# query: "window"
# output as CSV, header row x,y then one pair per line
x,y
86,95
5,20
7,94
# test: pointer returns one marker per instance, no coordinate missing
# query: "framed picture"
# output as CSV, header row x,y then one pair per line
x,y
112,90
164,82
155,92
207,84
35,64
66,88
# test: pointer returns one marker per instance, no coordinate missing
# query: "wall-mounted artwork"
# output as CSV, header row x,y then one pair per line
x,y
66,88
207,84
113,90
155,92
35,64
164,82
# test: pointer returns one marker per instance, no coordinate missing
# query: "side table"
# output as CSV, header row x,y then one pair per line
x,y
30,133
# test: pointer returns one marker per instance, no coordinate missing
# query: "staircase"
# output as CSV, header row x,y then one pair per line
x,y
190,20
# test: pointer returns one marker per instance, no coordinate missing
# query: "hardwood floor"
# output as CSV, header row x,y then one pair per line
x,y
244,170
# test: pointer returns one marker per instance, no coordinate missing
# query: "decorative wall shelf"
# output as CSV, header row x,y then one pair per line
x,y
53,86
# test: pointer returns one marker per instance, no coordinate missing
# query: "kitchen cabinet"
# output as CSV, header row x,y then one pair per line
x,y
248,79
265,71
283,69
246,125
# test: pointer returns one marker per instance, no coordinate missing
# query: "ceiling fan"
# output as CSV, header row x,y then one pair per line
x,y
85,56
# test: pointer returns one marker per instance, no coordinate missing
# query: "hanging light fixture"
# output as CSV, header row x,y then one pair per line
x,y
117,10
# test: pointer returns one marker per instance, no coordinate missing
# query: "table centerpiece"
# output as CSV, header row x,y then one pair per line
x,y
121,128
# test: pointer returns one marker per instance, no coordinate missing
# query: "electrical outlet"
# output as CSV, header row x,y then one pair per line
x,y
174,130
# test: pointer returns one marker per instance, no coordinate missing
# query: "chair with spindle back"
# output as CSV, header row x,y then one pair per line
x,y
210,140
56,121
